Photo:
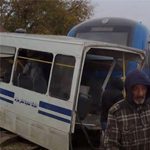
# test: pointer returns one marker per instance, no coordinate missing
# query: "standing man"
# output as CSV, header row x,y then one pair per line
x,y
128,126
110,97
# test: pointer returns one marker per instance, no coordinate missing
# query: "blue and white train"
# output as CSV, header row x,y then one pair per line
x,y
119,31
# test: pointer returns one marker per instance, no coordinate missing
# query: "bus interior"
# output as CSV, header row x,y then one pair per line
x,y
99,68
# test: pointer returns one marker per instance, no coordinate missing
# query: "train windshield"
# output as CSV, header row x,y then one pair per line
x,y
114,35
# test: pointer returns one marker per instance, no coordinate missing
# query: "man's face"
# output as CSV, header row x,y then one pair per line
x,y
138,93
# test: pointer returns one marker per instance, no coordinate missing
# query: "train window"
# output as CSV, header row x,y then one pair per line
x,y
111,37
62,77
6,62
112,34
32,70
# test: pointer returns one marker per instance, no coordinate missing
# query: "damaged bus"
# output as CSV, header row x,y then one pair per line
x,y
47,91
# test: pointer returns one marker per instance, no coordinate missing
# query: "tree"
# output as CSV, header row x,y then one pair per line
x,y
44,16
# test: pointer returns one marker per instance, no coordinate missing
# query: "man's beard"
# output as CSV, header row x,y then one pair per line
x,y
139,101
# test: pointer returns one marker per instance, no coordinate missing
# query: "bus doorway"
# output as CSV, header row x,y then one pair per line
x,y
100,66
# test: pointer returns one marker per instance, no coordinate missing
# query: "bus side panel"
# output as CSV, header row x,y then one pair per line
x,y
33,131
19,113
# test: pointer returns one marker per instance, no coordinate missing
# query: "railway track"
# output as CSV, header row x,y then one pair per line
x,y
10,141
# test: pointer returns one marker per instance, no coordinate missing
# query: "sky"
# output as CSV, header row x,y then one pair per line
x,y
138,10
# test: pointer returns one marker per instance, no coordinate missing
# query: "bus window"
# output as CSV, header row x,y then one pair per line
x,y
6,62
32,70
62,77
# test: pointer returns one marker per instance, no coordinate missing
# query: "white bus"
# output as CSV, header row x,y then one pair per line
x,y
49,89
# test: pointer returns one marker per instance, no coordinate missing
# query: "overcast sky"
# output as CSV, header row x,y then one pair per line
x,y
138,10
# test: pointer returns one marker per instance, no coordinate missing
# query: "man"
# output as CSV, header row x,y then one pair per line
x,y
33,68
128,126
110,97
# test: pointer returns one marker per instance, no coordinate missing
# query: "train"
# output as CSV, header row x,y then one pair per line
x,y
115,30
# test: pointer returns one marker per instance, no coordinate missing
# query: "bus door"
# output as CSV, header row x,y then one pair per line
x,y
99,66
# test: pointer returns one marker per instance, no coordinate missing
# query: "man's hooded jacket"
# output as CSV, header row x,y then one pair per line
x,y
136,77
128,125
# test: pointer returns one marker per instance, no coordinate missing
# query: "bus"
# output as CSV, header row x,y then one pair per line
x,y
45,96
120,31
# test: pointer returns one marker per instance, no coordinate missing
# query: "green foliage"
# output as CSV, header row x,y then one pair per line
x,y
44,16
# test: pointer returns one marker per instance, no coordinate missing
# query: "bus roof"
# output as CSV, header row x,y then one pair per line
x,y
65,40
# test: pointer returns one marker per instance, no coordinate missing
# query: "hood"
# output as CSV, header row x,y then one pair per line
x,y
136,76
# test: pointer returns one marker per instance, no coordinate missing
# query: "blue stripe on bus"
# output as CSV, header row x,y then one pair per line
x,y
53,116
6,100
55,108
7,93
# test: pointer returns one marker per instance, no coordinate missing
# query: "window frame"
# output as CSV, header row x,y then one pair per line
x,y
59,86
